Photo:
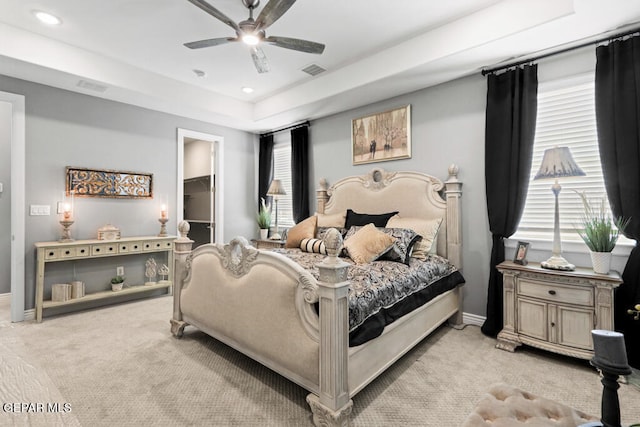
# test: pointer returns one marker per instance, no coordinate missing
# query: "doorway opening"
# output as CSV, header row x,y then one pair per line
x,y
200,176
16,130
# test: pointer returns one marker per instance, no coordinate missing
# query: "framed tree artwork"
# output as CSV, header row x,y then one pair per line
x,y
382,136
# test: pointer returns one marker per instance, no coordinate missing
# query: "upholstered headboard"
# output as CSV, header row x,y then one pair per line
x,y
412,194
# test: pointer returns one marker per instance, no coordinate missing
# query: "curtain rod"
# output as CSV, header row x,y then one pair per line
x,y
610,38
296,126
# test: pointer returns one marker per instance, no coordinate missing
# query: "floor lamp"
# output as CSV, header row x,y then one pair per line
x,y
557,163
276,190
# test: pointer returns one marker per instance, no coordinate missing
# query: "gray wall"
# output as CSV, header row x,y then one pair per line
x,y
447,126
68,129
5,197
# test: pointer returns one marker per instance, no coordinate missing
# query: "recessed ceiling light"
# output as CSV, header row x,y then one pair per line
x,y
47,18
247,89
200,73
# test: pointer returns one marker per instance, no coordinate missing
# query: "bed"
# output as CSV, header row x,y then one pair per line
x,y
296,322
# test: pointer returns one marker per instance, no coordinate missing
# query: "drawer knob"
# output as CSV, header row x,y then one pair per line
x,y
553,324
552,292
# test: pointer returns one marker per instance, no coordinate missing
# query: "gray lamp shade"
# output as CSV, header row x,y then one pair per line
x,y
558,162
276,188
609,351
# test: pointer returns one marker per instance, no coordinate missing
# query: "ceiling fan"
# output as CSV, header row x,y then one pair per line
x,y
252,32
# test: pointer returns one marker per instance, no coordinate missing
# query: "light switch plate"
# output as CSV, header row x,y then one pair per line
x,y
38,210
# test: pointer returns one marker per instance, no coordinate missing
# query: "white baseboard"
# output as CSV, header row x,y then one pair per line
x,y
473,319
5,298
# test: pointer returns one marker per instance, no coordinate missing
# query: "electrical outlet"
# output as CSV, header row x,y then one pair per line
x,y
120,271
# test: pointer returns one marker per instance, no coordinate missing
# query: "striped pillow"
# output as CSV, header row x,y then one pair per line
x,y
313,245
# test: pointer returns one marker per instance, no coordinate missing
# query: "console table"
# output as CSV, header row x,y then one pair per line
x,y
77,250
555,310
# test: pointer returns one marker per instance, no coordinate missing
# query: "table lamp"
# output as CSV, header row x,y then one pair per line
x,y
557,163
276,190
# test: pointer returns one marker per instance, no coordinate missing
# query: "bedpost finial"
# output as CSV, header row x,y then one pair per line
x,y
324,184
184,228
453,172
333,243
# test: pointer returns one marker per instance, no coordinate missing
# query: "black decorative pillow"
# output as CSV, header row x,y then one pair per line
x,y
316,246
404,240
379,220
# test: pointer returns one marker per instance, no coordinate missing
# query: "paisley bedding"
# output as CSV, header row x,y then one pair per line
x,y
379,286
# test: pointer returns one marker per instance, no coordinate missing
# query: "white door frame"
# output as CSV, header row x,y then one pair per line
x,y
218,163
17,203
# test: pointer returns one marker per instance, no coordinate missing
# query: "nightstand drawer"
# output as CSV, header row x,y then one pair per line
x,y
556,293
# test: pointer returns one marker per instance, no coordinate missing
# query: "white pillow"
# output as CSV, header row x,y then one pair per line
x,y
426,228
331,220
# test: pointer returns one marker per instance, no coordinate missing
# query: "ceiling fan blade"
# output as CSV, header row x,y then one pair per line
x,y
260,60
272,12
215,13
210,42
295,44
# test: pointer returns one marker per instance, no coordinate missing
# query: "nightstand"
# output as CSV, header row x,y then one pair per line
x,y
555,310
267,243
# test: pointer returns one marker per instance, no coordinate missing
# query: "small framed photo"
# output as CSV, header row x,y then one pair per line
x,y
521,253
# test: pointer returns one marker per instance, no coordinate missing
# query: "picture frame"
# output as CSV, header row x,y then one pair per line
x,y
381,136
85,182
520,257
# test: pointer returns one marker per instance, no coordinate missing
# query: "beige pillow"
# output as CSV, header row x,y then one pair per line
x,y
368,244
303,230
427,228
331,220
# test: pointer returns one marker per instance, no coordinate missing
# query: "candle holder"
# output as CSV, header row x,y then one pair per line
x,y
66,233
163,227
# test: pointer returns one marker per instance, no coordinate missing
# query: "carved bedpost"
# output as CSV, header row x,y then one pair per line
x,y
321,195
453,194
333,406
181,250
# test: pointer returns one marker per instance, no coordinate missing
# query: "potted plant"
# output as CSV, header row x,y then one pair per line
x,y
264,218
117,283
600,232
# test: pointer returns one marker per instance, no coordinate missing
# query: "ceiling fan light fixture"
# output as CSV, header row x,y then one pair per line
x,y
46,18
250,39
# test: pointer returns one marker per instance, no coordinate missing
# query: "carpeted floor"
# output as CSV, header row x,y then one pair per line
x,y
120,366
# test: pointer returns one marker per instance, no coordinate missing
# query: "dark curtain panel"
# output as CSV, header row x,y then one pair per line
x,y
300,172
618,119
265,166
512,104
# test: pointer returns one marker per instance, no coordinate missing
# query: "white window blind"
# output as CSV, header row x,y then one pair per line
x,y
282,171
566,117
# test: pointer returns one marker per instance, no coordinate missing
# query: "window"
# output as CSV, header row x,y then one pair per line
x,y
282,171
566,117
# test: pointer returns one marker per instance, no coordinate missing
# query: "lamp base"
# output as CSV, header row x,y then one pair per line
x,y
276,236
556,262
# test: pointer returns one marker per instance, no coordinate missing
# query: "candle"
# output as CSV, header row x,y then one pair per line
x,y
67,211
163,212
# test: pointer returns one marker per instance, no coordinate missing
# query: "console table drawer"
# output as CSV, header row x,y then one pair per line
x,y
106,249
156,246
556,293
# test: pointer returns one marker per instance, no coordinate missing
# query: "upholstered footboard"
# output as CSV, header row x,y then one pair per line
x,y
262,304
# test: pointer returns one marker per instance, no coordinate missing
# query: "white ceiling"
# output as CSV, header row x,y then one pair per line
x,y
375,49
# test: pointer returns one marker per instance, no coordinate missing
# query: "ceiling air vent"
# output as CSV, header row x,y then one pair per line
x,y
92,86
313,69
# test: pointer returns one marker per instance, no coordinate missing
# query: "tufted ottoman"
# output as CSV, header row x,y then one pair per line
x,y
507,406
